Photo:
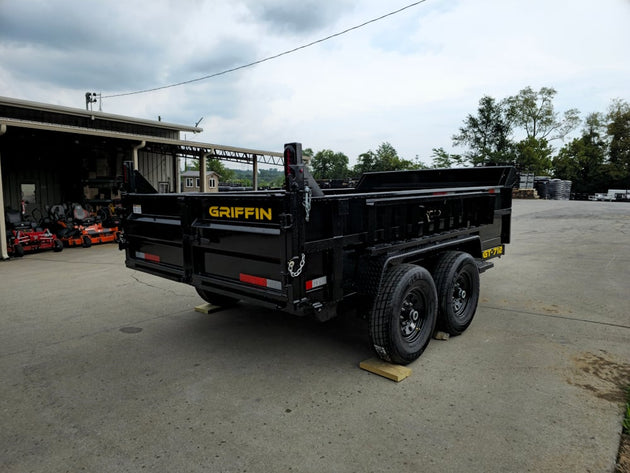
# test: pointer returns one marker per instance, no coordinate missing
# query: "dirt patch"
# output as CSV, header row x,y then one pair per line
x,y
602,375
607,379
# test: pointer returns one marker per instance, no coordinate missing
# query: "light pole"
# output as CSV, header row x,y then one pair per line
x,y
90,98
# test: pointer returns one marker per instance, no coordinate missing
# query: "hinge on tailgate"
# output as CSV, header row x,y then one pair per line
x,y
286,221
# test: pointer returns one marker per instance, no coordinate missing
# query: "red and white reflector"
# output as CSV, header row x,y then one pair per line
x,y
315,283
147,257
258,281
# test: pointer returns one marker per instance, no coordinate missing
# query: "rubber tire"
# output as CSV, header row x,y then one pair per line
x,y
18,250
385,319
57,245
87,241
216,299
451,267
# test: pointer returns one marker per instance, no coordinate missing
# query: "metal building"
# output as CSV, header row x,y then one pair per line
x,y
51,154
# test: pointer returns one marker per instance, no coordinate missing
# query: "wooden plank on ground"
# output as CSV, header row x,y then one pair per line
x,y
382,368
207,308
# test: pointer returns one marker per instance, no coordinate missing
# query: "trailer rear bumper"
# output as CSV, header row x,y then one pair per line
x,y
172,273
269,297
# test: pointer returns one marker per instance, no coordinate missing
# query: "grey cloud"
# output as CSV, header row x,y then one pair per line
x,y
81,44
227,53
68,27
217,99
299,18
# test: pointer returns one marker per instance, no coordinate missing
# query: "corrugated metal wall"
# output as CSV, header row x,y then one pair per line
x,y
156,168
44,173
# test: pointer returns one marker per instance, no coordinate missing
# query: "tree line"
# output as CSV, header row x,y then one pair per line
x,y
519,130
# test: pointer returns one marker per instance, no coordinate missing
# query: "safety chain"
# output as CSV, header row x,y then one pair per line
x,y
291,264
307,202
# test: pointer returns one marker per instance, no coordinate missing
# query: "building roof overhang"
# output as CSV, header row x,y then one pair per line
x,y
181,147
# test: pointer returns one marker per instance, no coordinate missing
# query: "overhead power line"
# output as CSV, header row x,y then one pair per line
x,y
269,58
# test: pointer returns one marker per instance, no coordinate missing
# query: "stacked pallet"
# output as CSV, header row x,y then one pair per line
x,y
524,194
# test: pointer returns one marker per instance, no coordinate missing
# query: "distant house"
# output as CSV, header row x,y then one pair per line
x,y
190,181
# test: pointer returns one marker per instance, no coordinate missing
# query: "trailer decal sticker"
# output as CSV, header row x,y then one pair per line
x,y
246,213
489,253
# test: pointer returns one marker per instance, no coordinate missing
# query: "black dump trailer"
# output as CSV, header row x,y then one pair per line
x,y
405,248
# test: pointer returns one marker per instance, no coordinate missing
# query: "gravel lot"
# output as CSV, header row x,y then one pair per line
x,y
109,370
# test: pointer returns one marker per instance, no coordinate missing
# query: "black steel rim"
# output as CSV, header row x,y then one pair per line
x,y
462,290
412,315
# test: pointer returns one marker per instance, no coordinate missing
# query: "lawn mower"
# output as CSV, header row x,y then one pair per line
x,y
24,234
109,216
75,226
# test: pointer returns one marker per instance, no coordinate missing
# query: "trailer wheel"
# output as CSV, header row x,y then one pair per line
x,y
457,281
87,241
57,245
216,299
404,314
18,250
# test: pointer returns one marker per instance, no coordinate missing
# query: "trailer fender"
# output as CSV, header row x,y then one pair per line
x,y
372,269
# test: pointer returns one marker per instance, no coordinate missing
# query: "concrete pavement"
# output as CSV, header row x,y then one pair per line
x,y
109,370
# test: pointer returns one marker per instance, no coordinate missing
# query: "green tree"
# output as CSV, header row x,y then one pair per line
x,y
582,161
534,112
619,133
487,135
442,159
307,156
384,159
215,165
533,155
365,163
327,164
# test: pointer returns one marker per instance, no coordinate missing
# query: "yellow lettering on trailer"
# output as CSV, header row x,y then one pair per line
x,y
496,251
265,214
240,213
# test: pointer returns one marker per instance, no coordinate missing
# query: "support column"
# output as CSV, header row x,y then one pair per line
x,y
4,252
203,177
177,178
255,176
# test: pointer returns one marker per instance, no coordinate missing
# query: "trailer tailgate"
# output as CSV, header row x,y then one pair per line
x,y
238,244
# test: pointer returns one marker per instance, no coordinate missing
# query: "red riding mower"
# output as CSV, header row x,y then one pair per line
x,y
77,227
24,234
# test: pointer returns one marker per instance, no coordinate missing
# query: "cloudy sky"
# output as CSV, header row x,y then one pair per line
x,y
409,79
